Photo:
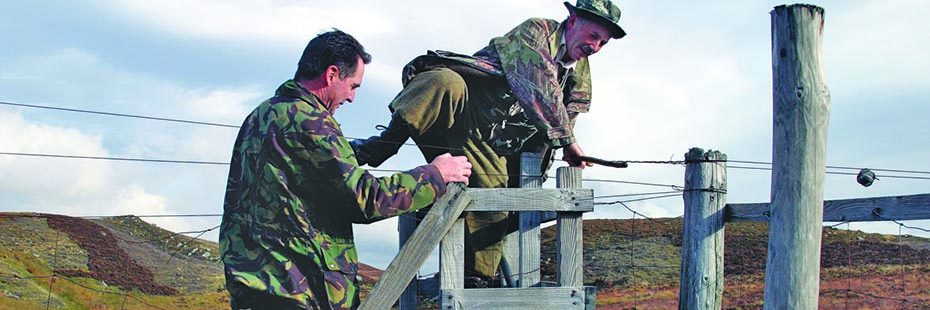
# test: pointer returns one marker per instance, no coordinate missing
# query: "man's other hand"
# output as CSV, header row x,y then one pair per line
x,y
572,153
453,168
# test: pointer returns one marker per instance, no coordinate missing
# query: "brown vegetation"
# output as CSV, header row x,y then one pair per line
x,y
106,260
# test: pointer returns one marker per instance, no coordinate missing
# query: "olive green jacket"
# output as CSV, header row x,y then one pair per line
x,y
525,58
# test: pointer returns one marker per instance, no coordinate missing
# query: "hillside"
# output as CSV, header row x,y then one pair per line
x,y
100,262
635,263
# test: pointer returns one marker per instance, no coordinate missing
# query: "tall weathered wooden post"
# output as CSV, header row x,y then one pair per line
x,y
801,114
406,225
702,241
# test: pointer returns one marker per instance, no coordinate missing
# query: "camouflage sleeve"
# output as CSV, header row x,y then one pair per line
x,y
579,100
531,73
332,163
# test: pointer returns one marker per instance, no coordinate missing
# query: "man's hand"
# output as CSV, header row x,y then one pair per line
x,y
571,154
453,168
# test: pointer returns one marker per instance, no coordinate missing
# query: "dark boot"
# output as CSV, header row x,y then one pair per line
x,y
376,149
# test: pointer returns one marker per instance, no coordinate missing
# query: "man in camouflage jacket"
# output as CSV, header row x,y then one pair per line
x,y
520,93
295,188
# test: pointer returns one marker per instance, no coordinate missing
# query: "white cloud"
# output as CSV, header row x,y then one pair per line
x,y
80,79
222,105
65,186
261,20
50,182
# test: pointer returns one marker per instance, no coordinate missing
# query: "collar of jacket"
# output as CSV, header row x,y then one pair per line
x,y
292,89
557,47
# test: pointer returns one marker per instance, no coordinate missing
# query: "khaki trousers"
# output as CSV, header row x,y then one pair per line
x,y
448,117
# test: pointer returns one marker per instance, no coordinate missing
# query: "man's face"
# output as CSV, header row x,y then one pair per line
x,y
584,37
342,90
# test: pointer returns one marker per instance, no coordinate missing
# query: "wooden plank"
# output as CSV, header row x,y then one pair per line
x,y
590,297
747,212
532,298
801,113
403,268
569,253
872,209
452,257
406,225
531,199
530,257
702,237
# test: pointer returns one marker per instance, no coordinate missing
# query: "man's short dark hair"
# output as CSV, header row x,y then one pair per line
x,y
331,48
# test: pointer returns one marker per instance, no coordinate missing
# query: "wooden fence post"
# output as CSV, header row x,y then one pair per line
x,y
439,220
451,262
801,114
406,224
524,254
702,237
570,257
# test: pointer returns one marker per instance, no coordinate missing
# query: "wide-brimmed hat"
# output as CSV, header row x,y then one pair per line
x,y
602,10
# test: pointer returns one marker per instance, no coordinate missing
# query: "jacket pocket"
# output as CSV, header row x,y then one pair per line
x,y
340,257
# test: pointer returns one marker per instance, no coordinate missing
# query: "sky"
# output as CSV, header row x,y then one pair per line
x,y
688,75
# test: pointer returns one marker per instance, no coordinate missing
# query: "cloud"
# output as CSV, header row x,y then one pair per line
x,y
255,20
79,79
222,105
51,183
67,186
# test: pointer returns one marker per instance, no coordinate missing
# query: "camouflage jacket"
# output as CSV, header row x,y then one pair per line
x,y
525,57
293,192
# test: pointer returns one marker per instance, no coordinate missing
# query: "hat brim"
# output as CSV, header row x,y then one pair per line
x,y
615,30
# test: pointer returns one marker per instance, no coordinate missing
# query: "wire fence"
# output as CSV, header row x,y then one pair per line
x,y
899,294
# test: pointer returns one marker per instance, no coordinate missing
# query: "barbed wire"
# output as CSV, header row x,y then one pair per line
x,y
51,280
154,118
875,296
172,235
171,161
69,279
879,215
108,292
622,202
836,167
189,241
214,124
837,173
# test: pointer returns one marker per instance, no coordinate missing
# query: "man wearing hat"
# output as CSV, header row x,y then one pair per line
x,y
521,93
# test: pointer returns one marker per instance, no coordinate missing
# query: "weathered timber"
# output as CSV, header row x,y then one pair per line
x,y
569,257
531,199
532,298
801,113
406,225
873,209
530,257
404,267
451,257
702,240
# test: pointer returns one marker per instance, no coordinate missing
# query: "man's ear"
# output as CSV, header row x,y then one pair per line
x,y
572,20
331,74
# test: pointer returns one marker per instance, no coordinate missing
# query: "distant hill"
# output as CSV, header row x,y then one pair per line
x,y
635,263
100,261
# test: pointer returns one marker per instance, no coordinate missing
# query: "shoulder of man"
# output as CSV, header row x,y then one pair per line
x,y
536,24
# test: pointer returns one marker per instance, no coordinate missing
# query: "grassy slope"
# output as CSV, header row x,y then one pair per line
x,y
28,249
